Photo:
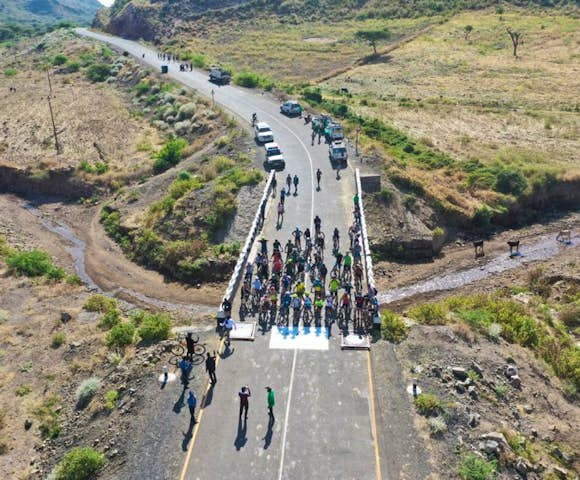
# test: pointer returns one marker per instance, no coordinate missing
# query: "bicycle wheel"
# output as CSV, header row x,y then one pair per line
x,y
178,351
199,349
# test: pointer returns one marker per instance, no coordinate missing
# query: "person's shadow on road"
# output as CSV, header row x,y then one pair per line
x,y
241,439
227,352
208,396
269,433
180,402
187,436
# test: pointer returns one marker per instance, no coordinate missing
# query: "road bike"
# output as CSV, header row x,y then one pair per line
x,y
179,350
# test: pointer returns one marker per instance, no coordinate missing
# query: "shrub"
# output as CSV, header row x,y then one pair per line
x,y
72,66
223,141
494,331
473,467
410,201
121,335
169,155
10,72
570,315
59,59
247,79
34,263
142,87
86,391
429,313
109,319
98,72
47,414
428,404
482,217
110,399
199,60
511,182
155,327
312,95
81,463
100,303
58,339
387,194
500,390
393,327
180,187
437,425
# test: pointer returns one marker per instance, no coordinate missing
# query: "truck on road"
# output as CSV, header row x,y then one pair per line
x,y
219,76
338,153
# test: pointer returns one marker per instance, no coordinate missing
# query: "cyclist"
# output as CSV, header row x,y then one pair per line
x,y
286,300
288,248
359,301
300,289
329,305
245,291
320,240
357,251
347,262
264,246
323,272
265,303
338,263
353,229
249,271
317,288
318,305
286,282
290,270
276,246
336,238
317,224
257,286
347,287
307,305
297,234
277,265
294,255
358,273
333,286
345,303
307,234
296,303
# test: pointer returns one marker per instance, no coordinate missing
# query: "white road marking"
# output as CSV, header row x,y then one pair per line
x,y
281,469
299,338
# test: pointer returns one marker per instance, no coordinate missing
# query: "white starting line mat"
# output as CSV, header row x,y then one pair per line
x,y
300,338
244,331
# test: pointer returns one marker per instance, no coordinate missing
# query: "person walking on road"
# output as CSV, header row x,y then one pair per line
x,y
244,395
318,177
280,215
185,366
192,403
229,325
271,402
274,185
313,137
296,180
289,183
210,367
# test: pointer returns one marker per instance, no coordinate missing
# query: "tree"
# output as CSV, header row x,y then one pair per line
x,y
467,31
372,37
516,40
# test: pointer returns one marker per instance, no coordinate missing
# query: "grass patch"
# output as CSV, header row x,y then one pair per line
x,y
58,340
473,467
111,398
22,390
428,404
47,413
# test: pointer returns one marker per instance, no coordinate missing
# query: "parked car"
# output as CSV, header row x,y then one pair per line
x,y
338,153
274,157
291,108
219,76
333,132
263,133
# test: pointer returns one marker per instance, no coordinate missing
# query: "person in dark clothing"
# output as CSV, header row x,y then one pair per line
x,y
210,367
185,367
192,403
318,177
244,395
190,345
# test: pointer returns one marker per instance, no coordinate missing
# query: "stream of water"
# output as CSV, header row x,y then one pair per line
x,y
76,248
544,249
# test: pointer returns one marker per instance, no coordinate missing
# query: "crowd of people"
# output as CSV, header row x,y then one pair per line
x,y
309,279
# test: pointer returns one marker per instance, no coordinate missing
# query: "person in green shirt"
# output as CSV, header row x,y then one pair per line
x,y
271,402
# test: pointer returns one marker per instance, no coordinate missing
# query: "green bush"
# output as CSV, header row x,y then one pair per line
x,y
393,327
312,95
98,72
482,217
86,391
121,335
429,313
100,303
410,200
428,404
59,59
34,263
73,66
169,155
155,327
142,87
510,182
58,339
110,399
247,79
180,187
570,315
81,463
109,319
473,467
10,72
387,194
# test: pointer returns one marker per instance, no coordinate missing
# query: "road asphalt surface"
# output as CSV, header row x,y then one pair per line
x,y
324,424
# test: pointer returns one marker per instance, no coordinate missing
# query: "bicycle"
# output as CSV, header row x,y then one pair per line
x,y
179,350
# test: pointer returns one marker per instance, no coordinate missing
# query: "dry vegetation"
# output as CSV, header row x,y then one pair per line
x,y
94,121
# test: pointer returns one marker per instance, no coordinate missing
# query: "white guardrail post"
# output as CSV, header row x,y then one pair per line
x,y
368,261
254,229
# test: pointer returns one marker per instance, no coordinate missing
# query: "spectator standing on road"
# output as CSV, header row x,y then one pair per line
x,y
274,185
296,180
244,395
190,345
185,367
229,325
289,182
282,196
318,177
192,403
263,245
210,367
271,402
280,213
313,137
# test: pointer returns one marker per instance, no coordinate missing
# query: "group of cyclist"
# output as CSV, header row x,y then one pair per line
x,y
275,284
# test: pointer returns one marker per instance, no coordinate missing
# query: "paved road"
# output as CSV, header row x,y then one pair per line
x,y
324,426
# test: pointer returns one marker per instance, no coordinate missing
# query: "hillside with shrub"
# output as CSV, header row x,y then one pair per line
x,y
47,11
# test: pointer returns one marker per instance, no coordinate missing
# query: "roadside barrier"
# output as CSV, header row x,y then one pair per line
x,y
254,230
368,261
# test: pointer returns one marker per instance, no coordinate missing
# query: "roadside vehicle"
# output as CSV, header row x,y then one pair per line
x,y
263,133
219,76
274,157
338,153
291,108
333,132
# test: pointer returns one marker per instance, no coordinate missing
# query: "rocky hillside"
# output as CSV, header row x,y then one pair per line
x,y
47,11
149,19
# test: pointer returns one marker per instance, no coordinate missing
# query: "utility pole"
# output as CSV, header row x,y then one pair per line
x,y
49,97
356,140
